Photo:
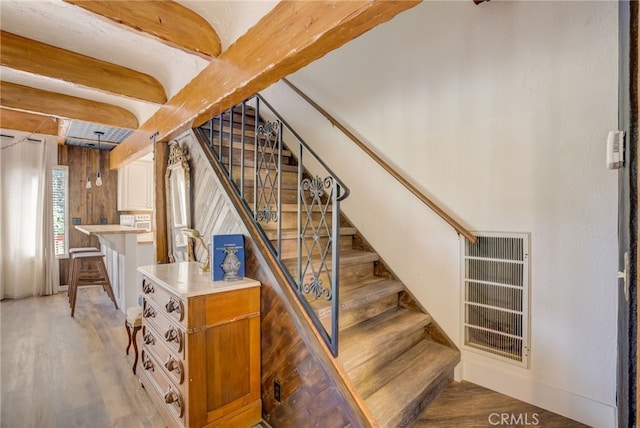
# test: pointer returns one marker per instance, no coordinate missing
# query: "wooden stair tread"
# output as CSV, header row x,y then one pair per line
x,y
248,182
347,258
294,208
363,341
362,295
250,164
293,233
248,145
407,382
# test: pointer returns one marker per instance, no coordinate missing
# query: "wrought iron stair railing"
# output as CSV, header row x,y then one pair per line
x,y
285,189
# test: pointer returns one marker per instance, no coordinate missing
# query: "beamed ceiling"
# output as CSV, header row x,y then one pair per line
x,y
136,68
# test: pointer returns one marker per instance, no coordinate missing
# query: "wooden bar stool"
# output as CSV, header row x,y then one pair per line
x,y
81,263
133,323
73,251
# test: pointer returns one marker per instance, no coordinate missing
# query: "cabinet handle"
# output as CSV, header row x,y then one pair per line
x,y
172,397
173,335
175,305
171,364
147,363
149,312
148,339
175,366
147,287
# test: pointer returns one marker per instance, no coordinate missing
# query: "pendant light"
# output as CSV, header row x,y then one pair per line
x,y
99,174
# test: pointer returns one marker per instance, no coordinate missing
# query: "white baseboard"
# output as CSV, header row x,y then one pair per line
x,y
570,405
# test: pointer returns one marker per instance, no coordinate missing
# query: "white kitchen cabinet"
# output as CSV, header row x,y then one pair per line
x,y
135,186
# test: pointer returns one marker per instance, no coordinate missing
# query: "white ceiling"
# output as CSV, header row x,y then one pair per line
x,y
70,27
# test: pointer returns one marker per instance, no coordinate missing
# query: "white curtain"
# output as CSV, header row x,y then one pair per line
x,y
28,266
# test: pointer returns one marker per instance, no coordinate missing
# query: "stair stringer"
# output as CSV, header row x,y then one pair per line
x,y
261,265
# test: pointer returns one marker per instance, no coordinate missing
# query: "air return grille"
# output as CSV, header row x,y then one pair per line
x,y
496,296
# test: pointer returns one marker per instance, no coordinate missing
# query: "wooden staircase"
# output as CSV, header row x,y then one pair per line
x,y
397,358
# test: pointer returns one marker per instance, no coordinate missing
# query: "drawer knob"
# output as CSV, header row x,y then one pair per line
x,y
172,397
147,287
172,365
149,312
147,363
174,305
175,366
148,339
173,335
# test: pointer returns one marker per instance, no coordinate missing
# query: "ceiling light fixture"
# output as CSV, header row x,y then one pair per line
x,y
99,173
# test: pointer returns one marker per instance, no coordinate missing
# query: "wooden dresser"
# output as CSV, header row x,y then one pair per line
x,y
201,347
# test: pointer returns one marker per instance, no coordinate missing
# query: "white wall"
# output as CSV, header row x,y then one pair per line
x,y
500,112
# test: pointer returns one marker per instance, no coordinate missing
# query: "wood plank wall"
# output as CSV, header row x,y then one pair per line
x,y
89,205
310,396
160,169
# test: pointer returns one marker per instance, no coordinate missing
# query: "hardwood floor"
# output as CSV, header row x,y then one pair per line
x,y
58,371
467,405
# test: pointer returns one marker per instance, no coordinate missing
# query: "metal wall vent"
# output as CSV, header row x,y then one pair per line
x,y
496,296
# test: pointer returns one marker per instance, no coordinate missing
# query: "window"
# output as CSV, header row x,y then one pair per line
x,y
60,210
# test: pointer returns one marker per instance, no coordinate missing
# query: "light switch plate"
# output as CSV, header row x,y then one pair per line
x,y
615,149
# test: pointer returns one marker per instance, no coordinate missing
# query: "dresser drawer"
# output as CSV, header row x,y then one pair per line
x,y
165,301
169,394
170,333
172,364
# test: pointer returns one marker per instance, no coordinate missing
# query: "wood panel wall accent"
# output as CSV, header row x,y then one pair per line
x,y
160,157
292,35
35,57
310,395
168,21
53,104
90,205
29,122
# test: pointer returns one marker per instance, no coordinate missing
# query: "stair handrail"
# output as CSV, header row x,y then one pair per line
x,y
395,174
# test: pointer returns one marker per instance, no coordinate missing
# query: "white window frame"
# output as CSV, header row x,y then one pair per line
x,y
65,170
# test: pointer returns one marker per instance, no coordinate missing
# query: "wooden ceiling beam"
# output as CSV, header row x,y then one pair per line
x,y
290,36
18,97
38,58
171,23
63,128
28,122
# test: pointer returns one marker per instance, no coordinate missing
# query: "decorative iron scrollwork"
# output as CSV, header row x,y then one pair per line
x,y
315,186
267,214
269,128
315,287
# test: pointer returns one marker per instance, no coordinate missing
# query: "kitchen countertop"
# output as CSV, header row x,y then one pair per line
x,y
107,229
